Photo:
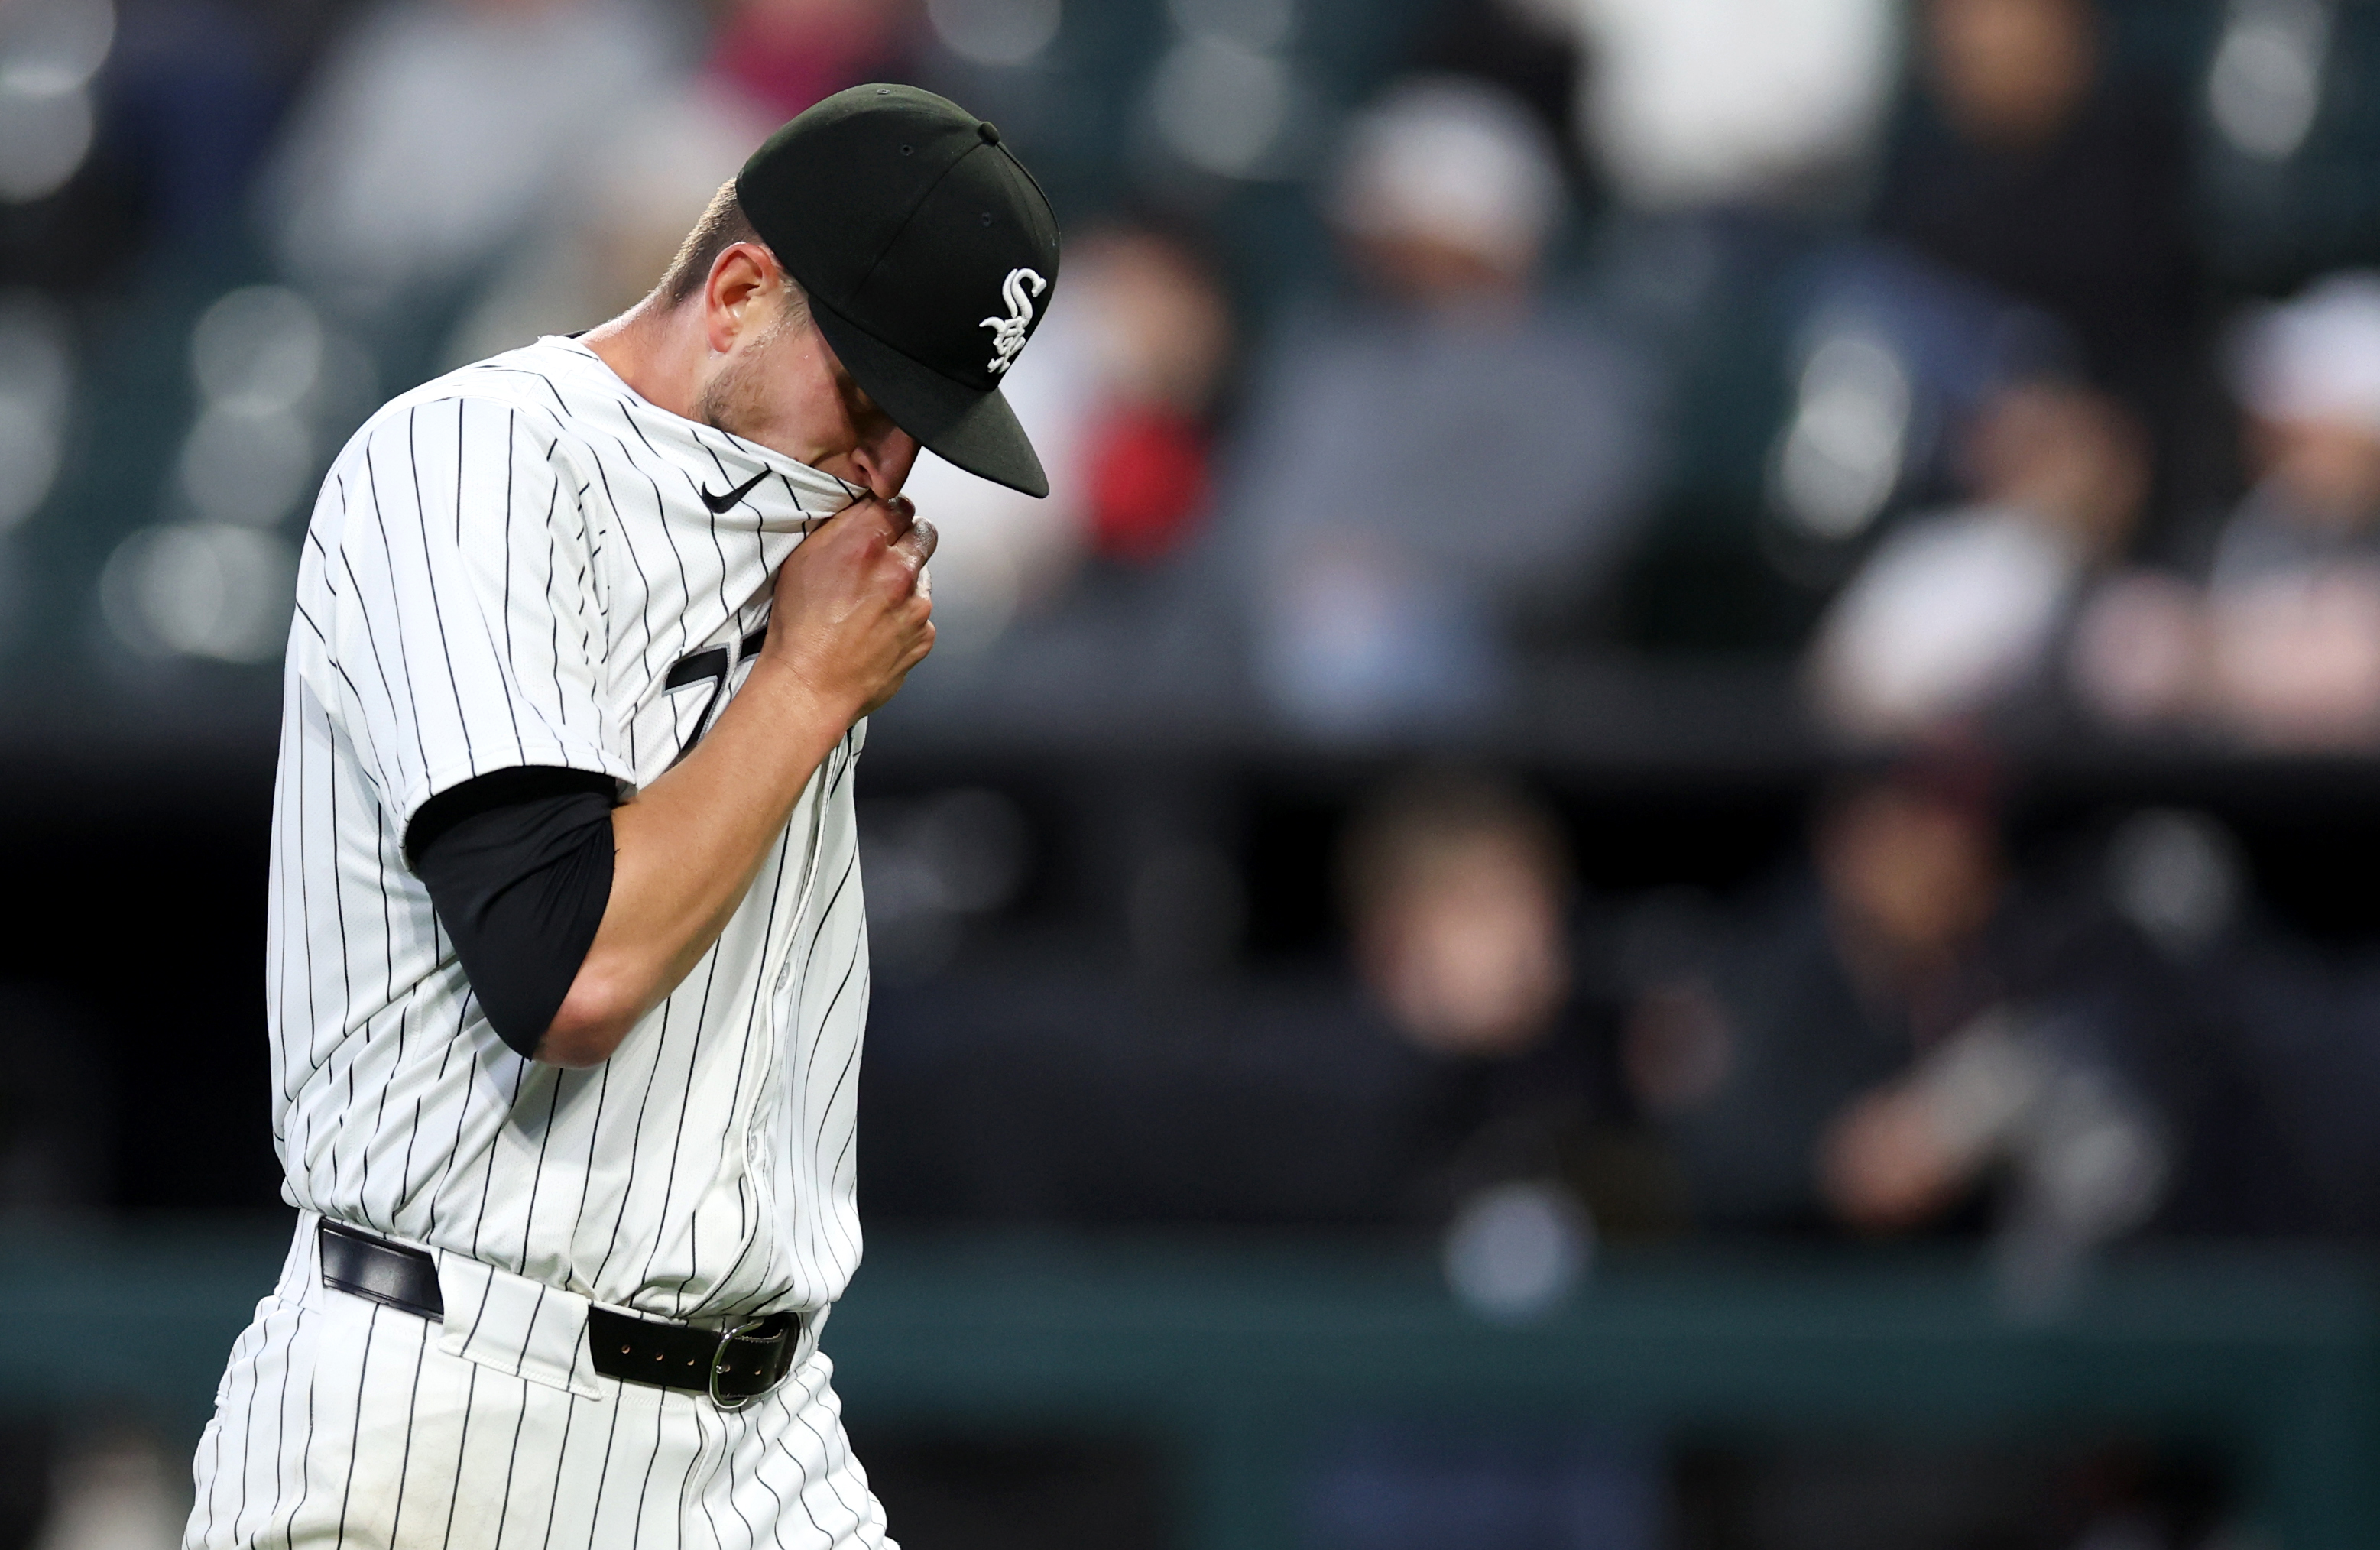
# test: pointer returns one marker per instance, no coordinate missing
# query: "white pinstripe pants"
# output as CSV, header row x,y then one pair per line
x,y
343,1423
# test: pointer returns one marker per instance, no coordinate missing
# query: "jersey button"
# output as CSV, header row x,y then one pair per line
x,y
784,976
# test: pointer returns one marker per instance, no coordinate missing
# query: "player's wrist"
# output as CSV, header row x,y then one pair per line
x,y
798,697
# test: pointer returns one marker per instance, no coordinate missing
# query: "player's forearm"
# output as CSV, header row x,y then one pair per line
x,y
685,853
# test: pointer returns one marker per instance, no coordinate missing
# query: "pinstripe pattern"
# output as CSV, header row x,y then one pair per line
x,y
504,567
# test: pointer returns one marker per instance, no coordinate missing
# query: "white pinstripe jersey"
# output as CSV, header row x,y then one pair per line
x,y
515,564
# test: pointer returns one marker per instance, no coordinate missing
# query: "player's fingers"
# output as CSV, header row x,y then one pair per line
x,y
920,540
870,515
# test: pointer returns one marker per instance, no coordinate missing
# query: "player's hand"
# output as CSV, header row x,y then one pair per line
x,y
849,617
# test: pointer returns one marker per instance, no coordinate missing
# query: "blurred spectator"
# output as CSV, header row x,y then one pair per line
x,y
1164,343
1117,392
1529,47
1458,893
1457,897
2283,650
1461,1062
438,132
1460,914
1838,984
1956,614
2025,162
1446,196
1698,103
2294,598
1462,447
1883,1046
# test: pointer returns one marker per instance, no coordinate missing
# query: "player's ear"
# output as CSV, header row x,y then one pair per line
x,y
737,278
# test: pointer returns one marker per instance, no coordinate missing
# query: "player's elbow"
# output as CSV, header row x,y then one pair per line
x,y
579,1044
593,1019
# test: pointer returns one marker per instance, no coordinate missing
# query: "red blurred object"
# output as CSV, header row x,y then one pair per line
x,y
790,54
1147,482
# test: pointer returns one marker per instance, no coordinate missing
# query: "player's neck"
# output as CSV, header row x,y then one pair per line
x,y
656,349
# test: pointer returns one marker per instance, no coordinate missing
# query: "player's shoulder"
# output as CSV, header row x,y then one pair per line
x,y
427,435
546,386
556,377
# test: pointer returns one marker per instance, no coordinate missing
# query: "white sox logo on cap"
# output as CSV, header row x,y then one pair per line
x,y
1008,333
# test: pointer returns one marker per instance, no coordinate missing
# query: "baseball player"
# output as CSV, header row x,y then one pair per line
x,y
567,961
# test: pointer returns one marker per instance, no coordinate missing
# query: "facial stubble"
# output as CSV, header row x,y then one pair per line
x,y
732,400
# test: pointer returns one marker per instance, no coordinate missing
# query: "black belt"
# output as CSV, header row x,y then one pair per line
x,y
734,1366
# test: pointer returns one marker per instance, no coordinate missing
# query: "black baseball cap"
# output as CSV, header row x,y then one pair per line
x,y
928,253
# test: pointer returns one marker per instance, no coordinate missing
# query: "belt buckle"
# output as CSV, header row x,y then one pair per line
x,y
726,1341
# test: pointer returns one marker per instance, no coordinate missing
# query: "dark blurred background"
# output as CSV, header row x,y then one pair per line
x,y
1666,628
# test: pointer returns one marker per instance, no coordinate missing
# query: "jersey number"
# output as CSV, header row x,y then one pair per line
x,y
713,665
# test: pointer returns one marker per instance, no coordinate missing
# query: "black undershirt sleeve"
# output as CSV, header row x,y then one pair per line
x,y
518,865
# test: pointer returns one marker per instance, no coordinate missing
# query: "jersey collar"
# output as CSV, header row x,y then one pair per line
x,y
814,492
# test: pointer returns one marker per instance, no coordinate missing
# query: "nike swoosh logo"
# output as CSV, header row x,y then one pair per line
x,y
719,503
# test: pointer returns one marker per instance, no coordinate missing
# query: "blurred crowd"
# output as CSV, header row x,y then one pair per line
x,y
2008,362
1987,365
2050,471
1915,1022
2002,372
